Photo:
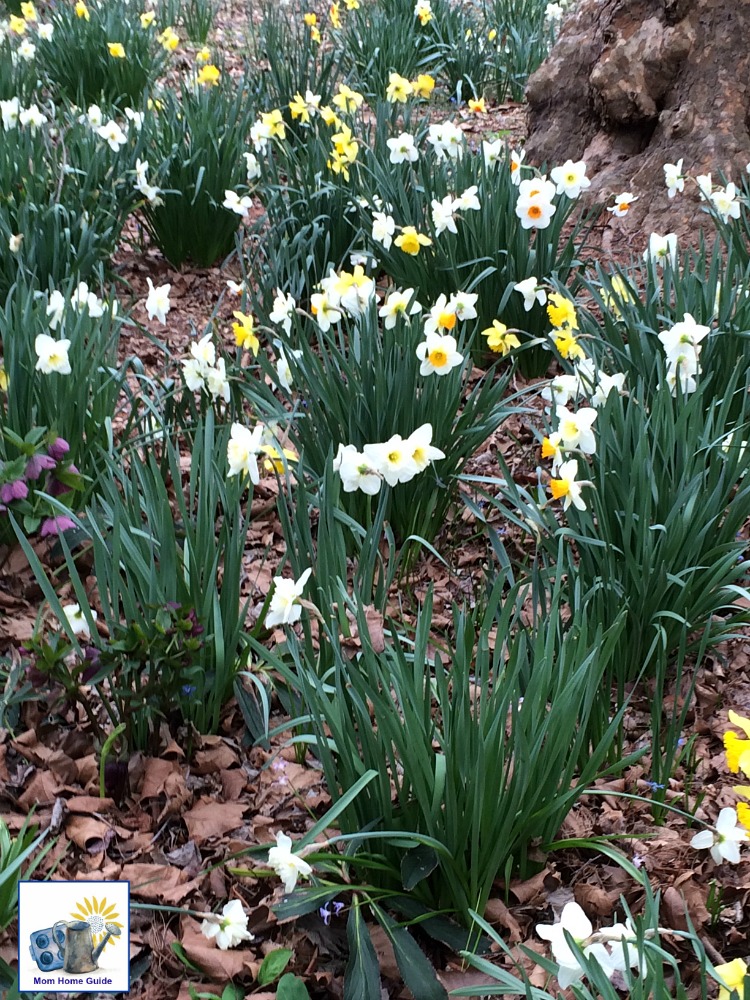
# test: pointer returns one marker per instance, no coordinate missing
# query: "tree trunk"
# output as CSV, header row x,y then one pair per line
x,y
633,84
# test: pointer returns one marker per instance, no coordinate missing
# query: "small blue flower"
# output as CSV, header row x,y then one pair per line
x,y
188,690
653,785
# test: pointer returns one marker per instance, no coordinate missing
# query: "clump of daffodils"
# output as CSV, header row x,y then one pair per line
x,y
204,373
682,347
397,460
341,293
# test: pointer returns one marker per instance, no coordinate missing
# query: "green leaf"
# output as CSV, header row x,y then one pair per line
x,y
180,953
232,992
273,965
362,976
419,975
417,864
291,988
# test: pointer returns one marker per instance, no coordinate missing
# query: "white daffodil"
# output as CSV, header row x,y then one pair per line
x,y
252,167
383,228
157,301
516,161
423,452
399,304
683,335
492,153
662,248
356,471
568,486
570,178
217,382
446,139
724,839
240,206
32,117
532,292
575,429
283,371
577,924
673,178
725,202
77,620
9,112
392,459
285,608
242,451
55,309
287,865
113,135
230,929
443,215
52,355
284,308
622,204
438,354
402,148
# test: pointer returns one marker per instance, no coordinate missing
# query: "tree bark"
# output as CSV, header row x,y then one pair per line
x,y
633,84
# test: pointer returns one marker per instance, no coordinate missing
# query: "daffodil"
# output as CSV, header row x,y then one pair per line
x,y
570,178
411,242
499,339
392,459
52,355
287,865
29,11
622,204
574,922
169,39
438,354
82,10
157,302
209,75
567,345
16,24
567,486
734,978
285,608
724,839
423,10
561,311
347,99
575,428
242,451
116,50
423,86
230,929
244,332
399,89
477,105
399,304
334,14
737,748
673,178
147,19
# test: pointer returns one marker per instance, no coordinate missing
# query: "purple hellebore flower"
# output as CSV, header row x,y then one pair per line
x,y
58,449
56,488
37,464
17,490
54,525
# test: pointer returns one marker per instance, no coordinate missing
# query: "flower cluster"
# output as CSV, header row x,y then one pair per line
x,y
341,293
397,460
203,372
682,347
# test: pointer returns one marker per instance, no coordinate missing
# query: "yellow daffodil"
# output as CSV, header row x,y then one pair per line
x,y
334,14
411,242
566,343
330,117
116,50
147,18
492,34
399,89
737,748
315,34
498,338
29,11
203,55
347,99
477,105
274,461
17,24
244,332
169,39
561,311
4,381
734,975
208,76
310,19
424,85
351,4
338,164
82,10
345,144
298,108
274,122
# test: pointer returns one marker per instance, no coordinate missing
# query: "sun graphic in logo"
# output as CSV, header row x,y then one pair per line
x,y
97,913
